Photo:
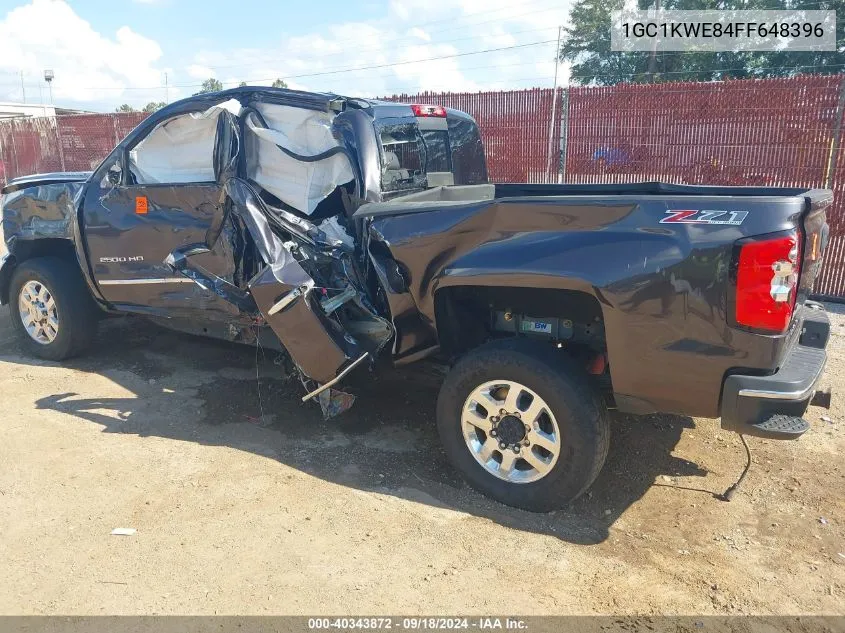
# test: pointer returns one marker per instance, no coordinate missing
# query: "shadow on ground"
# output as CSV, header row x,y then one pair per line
x,y
387,443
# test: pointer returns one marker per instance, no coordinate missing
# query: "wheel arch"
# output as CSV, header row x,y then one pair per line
x,y
468,317
74,312
457,308
23,250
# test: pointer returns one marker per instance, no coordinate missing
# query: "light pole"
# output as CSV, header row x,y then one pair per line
x,y
48,77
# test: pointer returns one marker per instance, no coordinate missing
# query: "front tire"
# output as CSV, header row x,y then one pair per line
x,y
522,423
51,308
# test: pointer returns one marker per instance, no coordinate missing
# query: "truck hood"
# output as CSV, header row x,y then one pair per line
x,y
36,180
41,206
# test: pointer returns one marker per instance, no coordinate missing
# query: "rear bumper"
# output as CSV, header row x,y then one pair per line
x,y
751,400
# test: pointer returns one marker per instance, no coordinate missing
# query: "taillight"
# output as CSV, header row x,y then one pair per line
x,y
767,281
428,110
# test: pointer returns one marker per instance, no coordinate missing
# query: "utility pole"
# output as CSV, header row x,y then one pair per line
x,y
23,89
652,62
166,90
553,116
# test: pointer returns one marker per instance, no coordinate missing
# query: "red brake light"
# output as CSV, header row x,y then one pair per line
x,y
767,281
429,110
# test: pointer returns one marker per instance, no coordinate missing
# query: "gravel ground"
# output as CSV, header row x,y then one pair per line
x,y
246,502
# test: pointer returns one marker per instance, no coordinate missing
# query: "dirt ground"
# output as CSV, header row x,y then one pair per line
x,y
246,502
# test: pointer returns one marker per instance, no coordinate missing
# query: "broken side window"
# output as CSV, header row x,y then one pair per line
x,y
179,150
437,150
404,157
468,161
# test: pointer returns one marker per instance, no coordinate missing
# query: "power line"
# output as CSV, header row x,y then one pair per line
x,y
395,45
409,38
415,61
487,66
532,62
238,81
380,50
345,69
421,89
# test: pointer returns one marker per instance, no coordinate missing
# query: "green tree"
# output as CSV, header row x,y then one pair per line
x,y
586,45
210,85
125,108
152,106
242,84
279,83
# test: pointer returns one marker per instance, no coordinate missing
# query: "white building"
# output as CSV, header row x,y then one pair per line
x,y
10,110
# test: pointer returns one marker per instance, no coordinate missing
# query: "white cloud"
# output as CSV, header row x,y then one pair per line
x,y
198,71
88,66
400,9
376,58
419,33
358,58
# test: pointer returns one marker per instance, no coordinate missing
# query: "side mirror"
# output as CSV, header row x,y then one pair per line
x,y
114,174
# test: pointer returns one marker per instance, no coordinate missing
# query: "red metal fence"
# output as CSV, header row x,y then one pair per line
x,y
782,132
779,132
514,126
66,143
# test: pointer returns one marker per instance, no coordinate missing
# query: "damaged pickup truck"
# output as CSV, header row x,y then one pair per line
x,y
349,231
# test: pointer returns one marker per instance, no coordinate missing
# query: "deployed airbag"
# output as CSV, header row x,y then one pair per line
x,y
179,150
306,133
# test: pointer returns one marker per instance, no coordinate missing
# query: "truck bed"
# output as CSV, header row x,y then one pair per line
x,y
457,195
655,258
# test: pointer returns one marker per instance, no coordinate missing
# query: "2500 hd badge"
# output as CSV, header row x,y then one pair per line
x,y
120,260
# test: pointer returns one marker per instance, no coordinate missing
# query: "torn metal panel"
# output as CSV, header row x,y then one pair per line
x,y
317,345
284,292
411,330
227,146
179,261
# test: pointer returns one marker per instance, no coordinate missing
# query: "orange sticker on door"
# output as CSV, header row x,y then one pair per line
x,y
140,205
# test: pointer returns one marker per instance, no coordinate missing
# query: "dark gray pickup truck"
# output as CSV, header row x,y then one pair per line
x,y
353,233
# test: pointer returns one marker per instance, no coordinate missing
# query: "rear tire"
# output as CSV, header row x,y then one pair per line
x,y
64,324
573,424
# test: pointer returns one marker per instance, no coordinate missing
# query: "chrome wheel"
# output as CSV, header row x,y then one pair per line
x,y
38,312
511,431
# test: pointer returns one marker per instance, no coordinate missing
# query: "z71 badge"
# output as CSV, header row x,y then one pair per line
x,y
695,216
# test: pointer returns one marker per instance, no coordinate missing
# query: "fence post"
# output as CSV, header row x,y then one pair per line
x,y
552,121
14,150
59,141
564,135
837,135
114,127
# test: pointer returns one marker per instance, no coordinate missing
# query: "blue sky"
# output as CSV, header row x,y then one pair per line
x,y
105,53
